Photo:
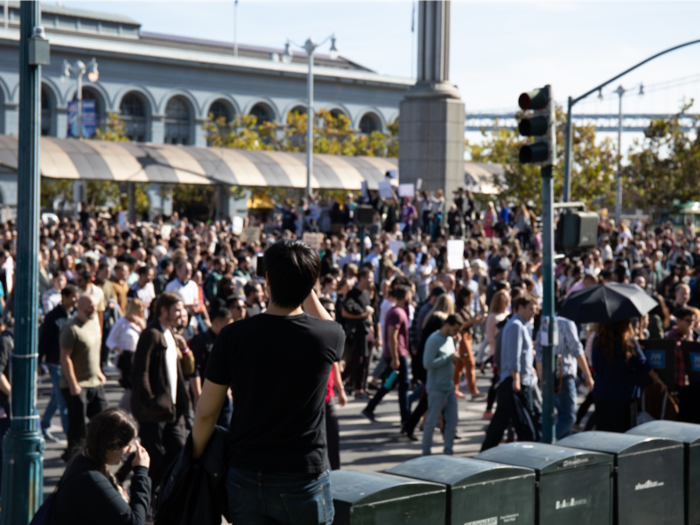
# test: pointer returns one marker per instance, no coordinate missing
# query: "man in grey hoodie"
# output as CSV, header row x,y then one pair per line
x,y
439,359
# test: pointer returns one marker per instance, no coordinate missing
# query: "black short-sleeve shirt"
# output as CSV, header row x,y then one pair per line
x,y
278,370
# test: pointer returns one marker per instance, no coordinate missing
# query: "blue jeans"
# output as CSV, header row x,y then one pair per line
x,y
439,400
56,402
566,407
255,498
403,382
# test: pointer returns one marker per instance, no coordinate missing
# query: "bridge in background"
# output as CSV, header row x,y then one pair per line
x,y
601,121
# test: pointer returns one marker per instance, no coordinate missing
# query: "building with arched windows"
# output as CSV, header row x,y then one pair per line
x,y
165,87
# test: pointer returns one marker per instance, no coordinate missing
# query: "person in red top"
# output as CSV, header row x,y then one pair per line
x,y
332,425
395,354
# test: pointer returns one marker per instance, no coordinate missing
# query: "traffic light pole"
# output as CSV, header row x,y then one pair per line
x,y
23,446
547,315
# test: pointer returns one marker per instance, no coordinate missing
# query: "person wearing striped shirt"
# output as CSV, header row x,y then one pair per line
x,y
570,350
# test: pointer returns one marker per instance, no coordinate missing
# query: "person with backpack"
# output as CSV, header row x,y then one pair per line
x,y
88,492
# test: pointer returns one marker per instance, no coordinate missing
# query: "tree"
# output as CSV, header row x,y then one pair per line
x,y
593,164
114,130
664,169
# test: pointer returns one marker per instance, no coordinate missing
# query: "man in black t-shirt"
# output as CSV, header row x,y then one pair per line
x,y
277,365
358,314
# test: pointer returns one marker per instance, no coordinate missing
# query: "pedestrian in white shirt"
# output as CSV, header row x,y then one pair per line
x,y
123,338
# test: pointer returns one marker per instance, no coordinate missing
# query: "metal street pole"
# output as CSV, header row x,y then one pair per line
x,y
567,165
23,445
548,392
618,176
310,47
79,97
568,153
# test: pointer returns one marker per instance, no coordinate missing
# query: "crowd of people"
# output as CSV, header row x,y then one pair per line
x,y
153,301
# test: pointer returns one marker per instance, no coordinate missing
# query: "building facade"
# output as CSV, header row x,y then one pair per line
x,y
164,87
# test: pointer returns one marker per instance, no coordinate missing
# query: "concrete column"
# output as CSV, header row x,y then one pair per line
x,y
200,136
223,200
431,135
60,122
157,129
11,118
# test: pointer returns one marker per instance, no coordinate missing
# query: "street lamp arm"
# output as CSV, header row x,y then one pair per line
x,y
574,101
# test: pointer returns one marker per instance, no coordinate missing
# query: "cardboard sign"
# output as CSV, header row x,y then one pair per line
x,y
237,225
660,355
407,190
396,247
165,231
384,188
250,235
363,190
122,219
455,254
315,240
691,357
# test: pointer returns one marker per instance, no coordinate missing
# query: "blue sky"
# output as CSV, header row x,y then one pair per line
x,y
498,49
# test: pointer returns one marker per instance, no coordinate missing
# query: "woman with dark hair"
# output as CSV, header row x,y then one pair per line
x,y
88,491
619,363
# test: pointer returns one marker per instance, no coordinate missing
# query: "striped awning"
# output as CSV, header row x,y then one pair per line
x,y
163,163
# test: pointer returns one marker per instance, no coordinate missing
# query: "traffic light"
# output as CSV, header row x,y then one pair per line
x,y
540,125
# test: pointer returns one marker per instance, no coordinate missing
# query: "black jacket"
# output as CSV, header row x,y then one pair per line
x,y
195,494
151,398
85,497
49,345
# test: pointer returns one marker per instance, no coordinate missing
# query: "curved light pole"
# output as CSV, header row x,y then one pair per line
x,y
310,47
572,101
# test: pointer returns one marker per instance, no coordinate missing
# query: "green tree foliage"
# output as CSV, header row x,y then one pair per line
x,y
664,169
114,129
593,166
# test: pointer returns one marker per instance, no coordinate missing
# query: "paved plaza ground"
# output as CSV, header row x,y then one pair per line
x,y
364,445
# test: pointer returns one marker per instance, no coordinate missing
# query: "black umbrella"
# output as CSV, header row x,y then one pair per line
x,y
606,303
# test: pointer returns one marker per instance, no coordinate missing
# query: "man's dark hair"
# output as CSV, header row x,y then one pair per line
x,y
452,320
498,269
292,270
221,313
144,270
682,313
102,266
437,291
400,292
364,272
231,300
523,301
69,290
165,263
165,300
250,288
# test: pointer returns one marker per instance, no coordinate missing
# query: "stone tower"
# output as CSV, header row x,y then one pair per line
x,y
431,130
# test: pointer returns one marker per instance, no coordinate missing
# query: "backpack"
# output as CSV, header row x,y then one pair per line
x,y
46,515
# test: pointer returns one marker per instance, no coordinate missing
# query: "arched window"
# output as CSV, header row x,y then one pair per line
x,y
262,112
220,109
178,122
133,113
299,109
47,107
369,123
336,112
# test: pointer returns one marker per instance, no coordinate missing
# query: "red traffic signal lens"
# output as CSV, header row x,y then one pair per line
x,y
536,99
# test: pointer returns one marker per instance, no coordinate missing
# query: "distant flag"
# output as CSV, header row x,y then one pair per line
x,y
413,18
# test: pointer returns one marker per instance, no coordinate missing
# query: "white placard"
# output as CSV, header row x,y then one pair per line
x,y
363,190
419,184
385,189
237,225
165,231
315,240
122,219
455,254
250,234
407,190
395,247
392,174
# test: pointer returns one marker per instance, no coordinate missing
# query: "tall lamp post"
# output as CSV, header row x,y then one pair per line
x,y
572,101
310,47
79,69
618,176
23,445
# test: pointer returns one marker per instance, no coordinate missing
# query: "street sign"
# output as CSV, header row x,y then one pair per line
x,y
89,120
